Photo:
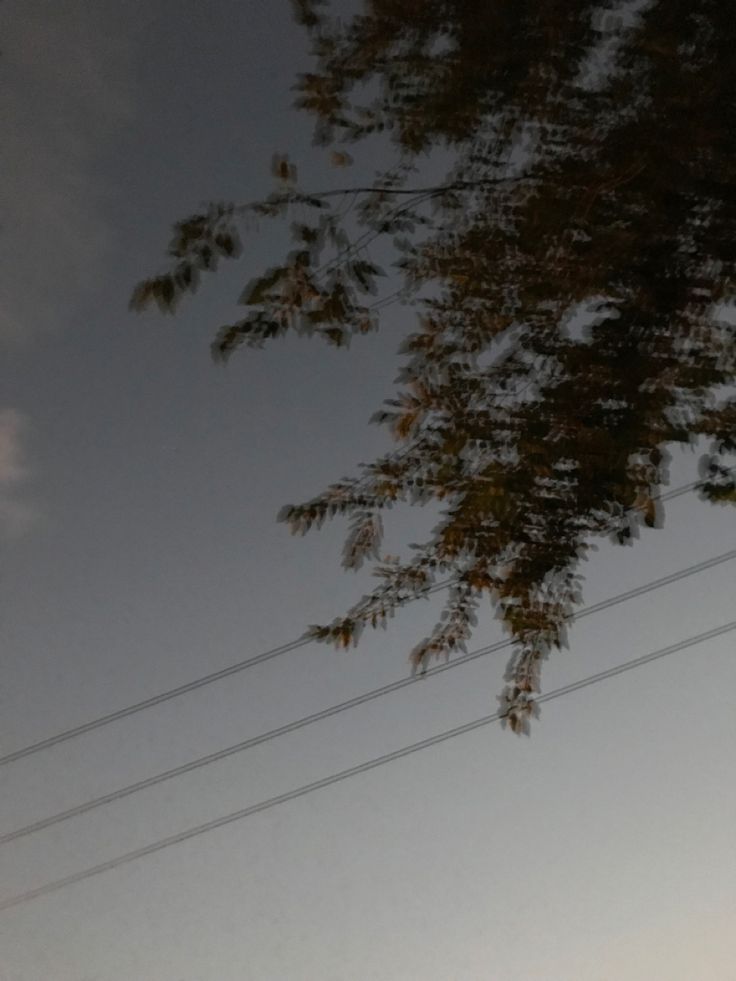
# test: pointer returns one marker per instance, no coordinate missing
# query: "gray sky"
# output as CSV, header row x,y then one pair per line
x,y
138,490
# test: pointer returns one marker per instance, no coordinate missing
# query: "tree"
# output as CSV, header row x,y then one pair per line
x,y
592,182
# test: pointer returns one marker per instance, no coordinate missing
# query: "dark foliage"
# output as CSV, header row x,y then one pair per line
x,y
593,180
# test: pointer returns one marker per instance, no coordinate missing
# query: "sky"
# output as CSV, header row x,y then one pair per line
x,y
139,484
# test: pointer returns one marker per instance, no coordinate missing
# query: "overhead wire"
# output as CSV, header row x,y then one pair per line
x,y
418,196
352,771
165,696
339,707
218,675
366,238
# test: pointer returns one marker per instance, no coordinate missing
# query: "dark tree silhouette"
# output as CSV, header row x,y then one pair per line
x,y
567,277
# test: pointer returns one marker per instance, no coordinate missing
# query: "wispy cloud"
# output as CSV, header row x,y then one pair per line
x,y
64,91
16,514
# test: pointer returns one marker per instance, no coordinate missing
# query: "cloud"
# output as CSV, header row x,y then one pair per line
x,y
16,515
64,92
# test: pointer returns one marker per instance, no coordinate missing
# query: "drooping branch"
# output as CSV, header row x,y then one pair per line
x,y
566,304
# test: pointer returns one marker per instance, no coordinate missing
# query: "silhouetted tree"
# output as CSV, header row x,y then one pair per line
x,y
567,276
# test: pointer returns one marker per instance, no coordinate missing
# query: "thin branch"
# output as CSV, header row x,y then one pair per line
x,y
438,189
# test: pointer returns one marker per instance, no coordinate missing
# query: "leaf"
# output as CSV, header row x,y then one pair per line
x,y
282,169
336,336
340,159
365,273
257,290
228,244
363,540
566,275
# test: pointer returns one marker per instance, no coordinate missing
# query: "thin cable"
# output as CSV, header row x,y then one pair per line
x,y
420,196
352,771
208,679
366,238
338,708
165,696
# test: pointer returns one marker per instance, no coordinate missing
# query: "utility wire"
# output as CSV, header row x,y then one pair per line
x,y
210,678
165,696
418,197
352,771
338,708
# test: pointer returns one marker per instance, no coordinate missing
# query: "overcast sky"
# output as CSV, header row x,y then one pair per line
x,y
139,485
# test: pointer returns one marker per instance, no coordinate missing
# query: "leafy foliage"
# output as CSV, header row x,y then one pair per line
x,y
593,178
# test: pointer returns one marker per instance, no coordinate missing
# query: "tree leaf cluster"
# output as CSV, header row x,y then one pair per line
x,y
592,177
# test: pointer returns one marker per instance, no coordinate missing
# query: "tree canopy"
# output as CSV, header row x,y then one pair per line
x,y
567,276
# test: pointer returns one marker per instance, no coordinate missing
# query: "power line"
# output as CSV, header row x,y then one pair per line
x,y
352,771
367,237
419,196
165,696
213,676
338,708
146,703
